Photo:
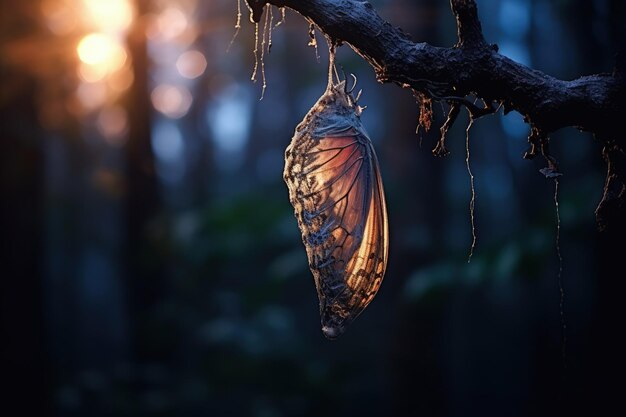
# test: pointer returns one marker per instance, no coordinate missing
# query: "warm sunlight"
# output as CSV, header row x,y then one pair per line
x,y
102,54
58,14
98,49
64,16
108,15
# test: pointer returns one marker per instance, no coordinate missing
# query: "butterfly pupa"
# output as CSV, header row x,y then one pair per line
x,y
336,190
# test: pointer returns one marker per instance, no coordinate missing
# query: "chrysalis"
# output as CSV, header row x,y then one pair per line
x,y
336,190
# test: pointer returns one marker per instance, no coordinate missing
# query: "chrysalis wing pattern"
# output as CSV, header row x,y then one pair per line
x,y
336,190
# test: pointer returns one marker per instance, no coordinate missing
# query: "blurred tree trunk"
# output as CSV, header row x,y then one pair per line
x,y
617,28
607,362
144,269
421,20
25,364
25,368
142,192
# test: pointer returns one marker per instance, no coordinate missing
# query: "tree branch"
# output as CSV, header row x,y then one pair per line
x,y
593,103
468,26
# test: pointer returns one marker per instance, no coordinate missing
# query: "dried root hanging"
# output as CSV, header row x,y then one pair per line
x,y
614,193
473,189
560,272
256,53
313,40
237,26
426,111
265,40
282,17
540,143
260,57
440,149
264,37
271,29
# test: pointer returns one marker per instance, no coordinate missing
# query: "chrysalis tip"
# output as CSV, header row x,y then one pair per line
x,y
332,333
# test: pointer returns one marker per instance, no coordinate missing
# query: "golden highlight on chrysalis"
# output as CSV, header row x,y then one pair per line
x,y
336,190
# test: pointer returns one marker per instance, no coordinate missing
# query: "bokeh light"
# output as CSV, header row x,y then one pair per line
x,y
91,73
234,103
112,123
92,95
169,24
169,149
101,55
108,15
121,80
98,49
58,16
167,142
191,64
173,101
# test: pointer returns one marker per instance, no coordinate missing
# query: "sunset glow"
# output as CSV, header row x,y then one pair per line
x,y
58,14
100,55
108,15
97,49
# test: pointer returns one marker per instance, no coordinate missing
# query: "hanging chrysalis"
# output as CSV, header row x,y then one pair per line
x,y
336,190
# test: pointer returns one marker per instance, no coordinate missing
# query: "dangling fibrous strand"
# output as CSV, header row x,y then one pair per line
x,y
264,37
282,17
560,273
440,149
265,42
331,65
271,28
237,25
313,40
473,199
255,52
425,118
540,143
337,77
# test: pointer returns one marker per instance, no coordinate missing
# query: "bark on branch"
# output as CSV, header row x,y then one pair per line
x,y
593,103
